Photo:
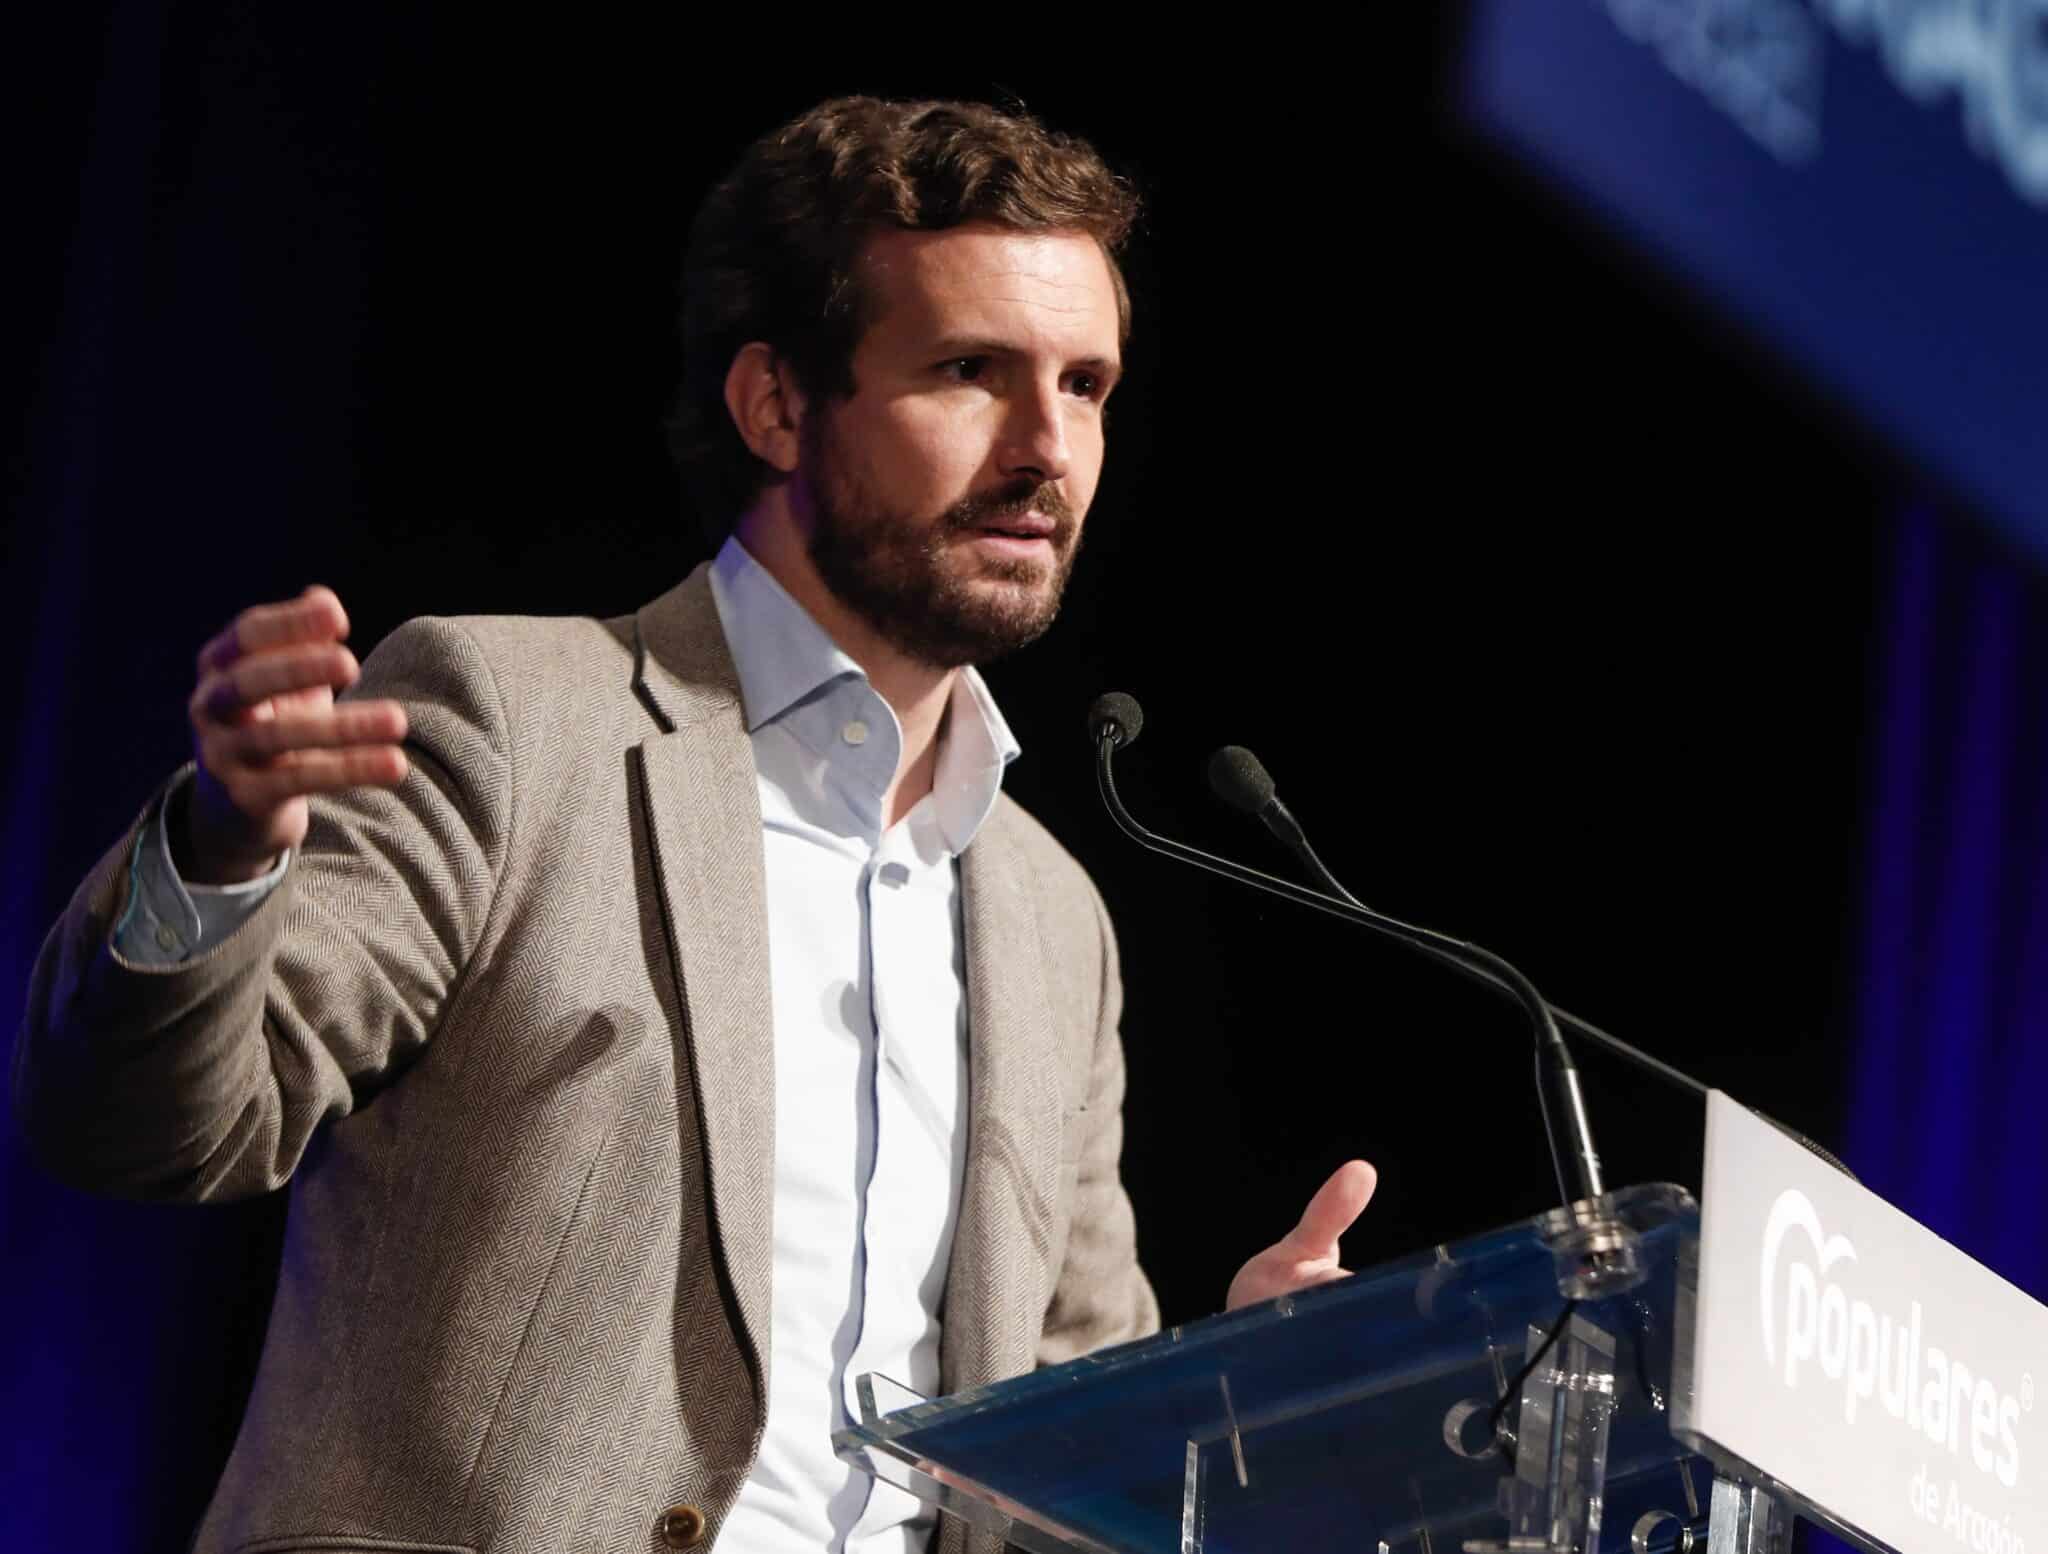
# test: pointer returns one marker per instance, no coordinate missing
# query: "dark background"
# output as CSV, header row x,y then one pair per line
x,y
1558,607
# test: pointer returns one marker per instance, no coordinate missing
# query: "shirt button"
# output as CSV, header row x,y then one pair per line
x,y
682,1527
855,733
165,939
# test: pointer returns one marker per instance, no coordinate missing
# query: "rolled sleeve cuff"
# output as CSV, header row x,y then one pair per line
x,y
168,921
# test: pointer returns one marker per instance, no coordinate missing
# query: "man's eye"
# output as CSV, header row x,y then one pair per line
x,y
1086,384
965,369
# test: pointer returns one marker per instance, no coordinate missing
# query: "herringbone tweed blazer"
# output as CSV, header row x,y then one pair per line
x,y
506,1031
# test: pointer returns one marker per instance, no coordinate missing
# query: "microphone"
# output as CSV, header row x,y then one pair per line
x,y
1112,723
1241,780
1118,716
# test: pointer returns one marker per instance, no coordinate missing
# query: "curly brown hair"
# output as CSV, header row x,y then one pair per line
x,y
773,254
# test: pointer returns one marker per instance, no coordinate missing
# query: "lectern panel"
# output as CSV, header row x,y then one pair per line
x,y
1376,1413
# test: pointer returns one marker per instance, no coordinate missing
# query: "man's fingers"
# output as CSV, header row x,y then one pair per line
x,y
1330,1213
315,616
256,789
350,723
224,695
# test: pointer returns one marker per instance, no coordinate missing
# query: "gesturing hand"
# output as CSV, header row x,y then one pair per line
x,y
267,732
1307,1254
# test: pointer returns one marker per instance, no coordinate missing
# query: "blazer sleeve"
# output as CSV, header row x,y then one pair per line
x,y
1100,1294
206,1079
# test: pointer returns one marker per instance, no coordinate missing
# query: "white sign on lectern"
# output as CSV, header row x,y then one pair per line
x,y
1858,1360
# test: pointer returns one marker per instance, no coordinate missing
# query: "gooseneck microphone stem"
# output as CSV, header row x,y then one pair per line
x,y
1289,831
1297,842
1578,1166
1242,781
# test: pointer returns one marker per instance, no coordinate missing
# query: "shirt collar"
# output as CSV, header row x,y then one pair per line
x,y
976,747
784,658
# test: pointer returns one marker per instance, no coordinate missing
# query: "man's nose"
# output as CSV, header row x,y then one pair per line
x,y
1035,435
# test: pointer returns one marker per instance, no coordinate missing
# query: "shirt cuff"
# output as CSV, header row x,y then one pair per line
x,y
168,921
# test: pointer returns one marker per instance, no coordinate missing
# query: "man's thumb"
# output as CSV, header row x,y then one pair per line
x,y
1337,1203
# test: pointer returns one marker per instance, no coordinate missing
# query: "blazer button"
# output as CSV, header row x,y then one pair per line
x,y
682,1527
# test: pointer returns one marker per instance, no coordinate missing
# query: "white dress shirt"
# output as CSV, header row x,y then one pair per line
x,y
866,958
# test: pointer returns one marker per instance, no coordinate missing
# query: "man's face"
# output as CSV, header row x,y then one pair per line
x,y
944,499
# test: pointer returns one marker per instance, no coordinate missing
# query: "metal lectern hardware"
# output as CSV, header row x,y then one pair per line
x,y
1244,1479
1555,1498
1744,1520
1597,1254
1468,1428
878,1395
1666,1532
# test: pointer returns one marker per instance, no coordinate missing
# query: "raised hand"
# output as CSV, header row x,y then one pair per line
x,y
1307,1254
267,732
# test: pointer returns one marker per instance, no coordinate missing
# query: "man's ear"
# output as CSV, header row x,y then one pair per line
x,y
765,404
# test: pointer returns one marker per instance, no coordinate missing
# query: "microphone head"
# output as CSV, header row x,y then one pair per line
x,y
1239,780
1117,713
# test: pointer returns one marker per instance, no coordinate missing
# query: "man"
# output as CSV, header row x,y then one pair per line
x,y
663,1021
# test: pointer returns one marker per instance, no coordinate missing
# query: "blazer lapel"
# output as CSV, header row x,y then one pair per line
x,y
704,816
996,1287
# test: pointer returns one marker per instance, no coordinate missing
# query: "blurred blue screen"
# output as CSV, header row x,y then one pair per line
x,y
1863,182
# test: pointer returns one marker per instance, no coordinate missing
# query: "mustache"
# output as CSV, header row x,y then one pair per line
x,y
1014,500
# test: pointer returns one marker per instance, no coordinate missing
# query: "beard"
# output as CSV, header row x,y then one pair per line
x,y
917,583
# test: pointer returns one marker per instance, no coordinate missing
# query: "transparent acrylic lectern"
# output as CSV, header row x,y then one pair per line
x,y
1509,1394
